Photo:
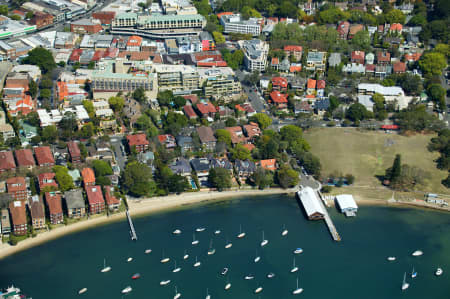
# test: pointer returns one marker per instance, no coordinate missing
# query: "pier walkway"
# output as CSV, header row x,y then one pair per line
x,y
329,222
132,230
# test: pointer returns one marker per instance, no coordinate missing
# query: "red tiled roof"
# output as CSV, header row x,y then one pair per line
x,y
88,175
279,81
275,61
212,63
321,84
278,97
44,155
47,179
75,56
252,130
73,148
292,48
189,111
236,133
97,55
16,184
239,108
295,68
269,164
136,55
248,108
109,196
165,137
53,202
249,146
25,157
384,56
225,13
413,56
310,96
18,212
206,108
138,139
134,40
191,97
358,55
311,83
343,27
399,67
370,67
94,194
396,27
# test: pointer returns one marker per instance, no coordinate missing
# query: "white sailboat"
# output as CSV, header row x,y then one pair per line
x,y
177,295
147,251
249,277
211,250
129,259
164,259
105,268
271,275
264,241
257,257
297,289
197,263
208,296
228,244
413,273
298,250
127,290
200,229
217,232
417,253
405,285
175,269
185,256
176,232
258,290
194,241
82,291
294,267
228,285
241,233
164,282
438,272
285,231
391,258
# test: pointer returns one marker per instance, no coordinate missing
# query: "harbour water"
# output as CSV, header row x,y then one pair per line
x,y
356,267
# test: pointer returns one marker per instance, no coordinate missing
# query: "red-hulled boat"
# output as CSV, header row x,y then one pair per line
x,y
136,276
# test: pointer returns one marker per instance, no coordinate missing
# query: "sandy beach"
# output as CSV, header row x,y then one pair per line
x,y
136,207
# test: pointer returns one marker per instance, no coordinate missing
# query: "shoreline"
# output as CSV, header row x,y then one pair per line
x,y
138,207
147,206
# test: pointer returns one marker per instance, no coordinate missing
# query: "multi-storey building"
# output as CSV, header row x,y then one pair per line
x,y
17,188
255,54
18,217
182,78
219,81
235,24
95,199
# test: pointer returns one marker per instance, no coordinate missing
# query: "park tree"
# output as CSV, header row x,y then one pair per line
x,y
396,169
287,177
356,112
432,63
49,134
436,92
224,136
116,103
218,37
41,57
291,133
32,88
101,168
63,178
262,178
139,95
310,162
137,179
262,119
219,178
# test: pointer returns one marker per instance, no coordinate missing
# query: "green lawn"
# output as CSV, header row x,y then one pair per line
x,y
366,154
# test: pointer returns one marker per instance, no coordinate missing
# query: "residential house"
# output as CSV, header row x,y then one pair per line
x,y
207,138
412,57
206,110
278,99
74,152
75,204
383,58
383,70
311,86
37,212
201,168
399,67
181,167
167,140
185,143
268,164
280,84
47,180
7,131
285,65
354,68
354,28
54,205
334,60
396,28
134,43
44,156
17,188
370,58
297,83
221,163
25,158
321,88
189,112
237,136
295,51
88,176
252,130
244,169
18,217
302,107
275,63
316,61
95,199
358,57
320,106
5,222
343,28
146,158
111,201
139,141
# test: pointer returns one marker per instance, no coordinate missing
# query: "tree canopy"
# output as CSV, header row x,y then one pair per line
x,y
63,178
137,179
219,178
116,103
262,119
41,57
432,63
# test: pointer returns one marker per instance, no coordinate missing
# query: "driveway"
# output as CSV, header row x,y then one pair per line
x,y
119,148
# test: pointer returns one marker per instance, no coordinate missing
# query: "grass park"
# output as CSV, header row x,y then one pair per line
x,y
367,154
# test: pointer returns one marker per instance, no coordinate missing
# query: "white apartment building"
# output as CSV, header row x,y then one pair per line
x,y
255,54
